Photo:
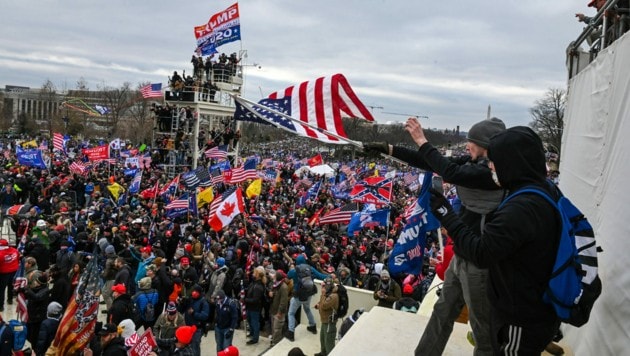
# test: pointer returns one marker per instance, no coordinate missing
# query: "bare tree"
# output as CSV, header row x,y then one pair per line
x,y
48,94
118,101
548,117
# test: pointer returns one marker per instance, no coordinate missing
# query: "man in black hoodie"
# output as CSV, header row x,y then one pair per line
x,y
526,226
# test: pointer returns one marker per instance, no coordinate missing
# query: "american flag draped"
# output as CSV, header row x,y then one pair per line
x,y
77,167
319,102
77,324
59,143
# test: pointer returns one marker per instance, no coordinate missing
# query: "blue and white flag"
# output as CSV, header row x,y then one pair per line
x,y
134,187
222,166
30,158
406,257
367,219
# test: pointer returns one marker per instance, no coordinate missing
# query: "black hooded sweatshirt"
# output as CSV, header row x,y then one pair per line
x,y
519,244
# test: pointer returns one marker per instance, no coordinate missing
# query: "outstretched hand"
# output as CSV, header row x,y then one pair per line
x,y
415,130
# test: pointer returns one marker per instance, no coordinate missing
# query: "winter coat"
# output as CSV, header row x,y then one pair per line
x,y
115,347
255,296
164,328
61,290
280,300
37,302
143,298
200,314
47,332
120,309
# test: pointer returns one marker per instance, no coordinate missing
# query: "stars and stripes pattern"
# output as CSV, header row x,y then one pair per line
x,y
180,203
77,167
218,152
200,177
153,90
77,324
18,284
341,215
59,143
216,177
319,102
241,174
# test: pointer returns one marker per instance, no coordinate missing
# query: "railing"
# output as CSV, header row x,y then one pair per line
x,y
599,33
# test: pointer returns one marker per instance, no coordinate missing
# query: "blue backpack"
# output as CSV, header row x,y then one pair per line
x,y
19,334
574,284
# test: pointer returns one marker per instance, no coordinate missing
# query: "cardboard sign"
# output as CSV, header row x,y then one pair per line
x,y
145,344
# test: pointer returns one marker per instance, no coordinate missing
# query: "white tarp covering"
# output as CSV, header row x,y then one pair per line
x,y
323,170
595,174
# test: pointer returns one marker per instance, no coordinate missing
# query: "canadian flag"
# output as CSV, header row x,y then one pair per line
x,y
229,208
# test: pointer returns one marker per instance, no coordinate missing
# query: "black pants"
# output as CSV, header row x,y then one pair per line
x,y
6,283
529,339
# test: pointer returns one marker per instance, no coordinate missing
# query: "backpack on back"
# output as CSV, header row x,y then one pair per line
x,y
574,284
19,334
149,309
342,310
306,285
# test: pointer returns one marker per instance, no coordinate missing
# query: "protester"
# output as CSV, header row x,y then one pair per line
x,y
387,291
225,320
328,305
9,264
121,306
111,343
279,295
253,303
525,226
48,328
168,322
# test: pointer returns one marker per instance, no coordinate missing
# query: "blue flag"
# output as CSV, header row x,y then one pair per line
x,y
30,158
222,166
134,187
367,219
407,254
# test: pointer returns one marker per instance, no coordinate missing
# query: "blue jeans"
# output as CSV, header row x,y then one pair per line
x,y
221,340
196,341
293,307
253,320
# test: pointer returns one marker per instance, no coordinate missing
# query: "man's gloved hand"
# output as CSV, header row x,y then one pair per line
x,y
229,333
376,147
440,207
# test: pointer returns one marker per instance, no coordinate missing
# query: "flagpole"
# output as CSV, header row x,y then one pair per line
x,y
314,127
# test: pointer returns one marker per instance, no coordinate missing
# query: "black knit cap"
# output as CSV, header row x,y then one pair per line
x,y
481,132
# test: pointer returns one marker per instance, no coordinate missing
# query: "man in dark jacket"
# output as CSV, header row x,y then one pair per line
x,y
464,282
226,319
61,290
123,276
254,302
121,307
525,226
196,315
48,329
36,303
110,344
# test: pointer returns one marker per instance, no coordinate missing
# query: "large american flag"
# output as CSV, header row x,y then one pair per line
x,y
340,215
319,102
151,91
180,203
218,152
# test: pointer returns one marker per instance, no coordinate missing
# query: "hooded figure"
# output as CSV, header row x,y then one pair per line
x,y
525,226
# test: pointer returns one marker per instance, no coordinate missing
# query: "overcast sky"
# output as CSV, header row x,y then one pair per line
x,y
447,60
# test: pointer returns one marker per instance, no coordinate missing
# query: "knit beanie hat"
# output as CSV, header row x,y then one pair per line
x,y
481,132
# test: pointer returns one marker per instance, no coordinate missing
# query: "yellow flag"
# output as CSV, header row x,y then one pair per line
x,y
115,189
31,143
254,188
205,196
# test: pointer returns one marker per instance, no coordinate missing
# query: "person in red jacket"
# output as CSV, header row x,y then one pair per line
x,y
9,263
447,254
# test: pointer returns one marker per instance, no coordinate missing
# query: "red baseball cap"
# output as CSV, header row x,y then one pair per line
x,y
119,288
185,261
146,249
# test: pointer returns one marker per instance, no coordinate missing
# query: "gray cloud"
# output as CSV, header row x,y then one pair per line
x,y
446,60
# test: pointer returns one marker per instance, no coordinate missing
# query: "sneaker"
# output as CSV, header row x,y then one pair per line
x,y
290,335
319,354
252,342
312,328
470,338
554,349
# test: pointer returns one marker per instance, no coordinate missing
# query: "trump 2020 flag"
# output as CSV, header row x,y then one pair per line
x,y
227,211
320,103
406,257
134,187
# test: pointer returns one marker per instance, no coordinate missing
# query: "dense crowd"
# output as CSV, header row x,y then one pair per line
x,y
179,265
